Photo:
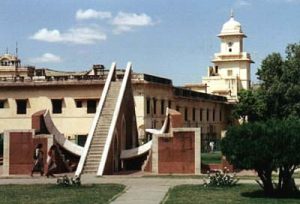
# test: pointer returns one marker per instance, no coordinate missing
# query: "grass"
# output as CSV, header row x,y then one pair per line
x,y
246,193
34,194
211,158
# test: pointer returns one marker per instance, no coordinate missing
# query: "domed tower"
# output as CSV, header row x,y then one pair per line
x,y
231,66
9,65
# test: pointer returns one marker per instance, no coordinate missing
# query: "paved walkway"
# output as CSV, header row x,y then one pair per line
x,y
145,190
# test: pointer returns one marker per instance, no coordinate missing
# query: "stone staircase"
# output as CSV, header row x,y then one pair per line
x,y
101,131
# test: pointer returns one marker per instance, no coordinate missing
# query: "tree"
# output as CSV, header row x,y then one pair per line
x,y
251,105
278,95
266,146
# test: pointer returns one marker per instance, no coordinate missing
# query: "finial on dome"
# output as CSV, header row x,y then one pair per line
x,y
231,13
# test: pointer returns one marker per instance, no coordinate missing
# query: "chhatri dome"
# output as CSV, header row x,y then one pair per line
x,y
231,27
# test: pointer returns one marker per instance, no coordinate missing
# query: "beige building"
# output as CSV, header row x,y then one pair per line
x,y
231,66
72,98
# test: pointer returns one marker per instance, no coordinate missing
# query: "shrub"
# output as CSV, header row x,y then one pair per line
x,y
66,181
221,179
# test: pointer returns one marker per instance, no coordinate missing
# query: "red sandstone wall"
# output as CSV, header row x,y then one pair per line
x,y
21,148
148,167
177,154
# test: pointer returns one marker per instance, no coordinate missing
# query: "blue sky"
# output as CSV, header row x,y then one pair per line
x,y
170,38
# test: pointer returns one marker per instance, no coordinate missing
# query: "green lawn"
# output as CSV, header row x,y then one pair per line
x,y
33,194
250,194
211,158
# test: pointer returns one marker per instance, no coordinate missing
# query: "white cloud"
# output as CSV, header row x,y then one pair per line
x,y
125,22
81,35
242,3
46,58
47,35
92,14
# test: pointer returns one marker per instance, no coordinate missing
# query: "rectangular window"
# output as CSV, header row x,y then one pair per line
x,y
56,106
91,106
148,106
201,114
162,107
194,114
170,104
177,108
78,103
229,72
186,116
21,106
154,106
207,114
2,103
81,139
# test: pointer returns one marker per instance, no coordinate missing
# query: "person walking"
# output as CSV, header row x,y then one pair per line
x,y
52,163
38,157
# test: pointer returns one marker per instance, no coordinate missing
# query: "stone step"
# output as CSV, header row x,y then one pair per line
x,y
98,145
99,141
93,161
95,154
88,168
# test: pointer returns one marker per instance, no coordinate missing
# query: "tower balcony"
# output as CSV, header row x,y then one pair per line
x,y
243,56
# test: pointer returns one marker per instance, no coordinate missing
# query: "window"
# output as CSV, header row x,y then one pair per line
x,y
91,106
162,107
81,139
207,115
21,106
201,112
2,103
220,115
186,116
148,106
230,50
217,69
170,104
194,114
213,114
56,106
229,72
154,105
78,103
177,108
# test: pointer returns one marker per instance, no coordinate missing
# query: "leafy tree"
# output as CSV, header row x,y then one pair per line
x,y
278,95
266,146
251,105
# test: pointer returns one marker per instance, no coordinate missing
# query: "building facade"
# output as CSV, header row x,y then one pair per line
x,y
230,71
72,99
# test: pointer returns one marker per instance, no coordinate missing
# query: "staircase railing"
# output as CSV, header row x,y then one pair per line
x,y
114,120
96,118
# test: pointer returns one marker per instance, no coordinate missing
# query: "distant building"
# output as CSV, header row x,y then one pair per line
x,y
72,98
231,66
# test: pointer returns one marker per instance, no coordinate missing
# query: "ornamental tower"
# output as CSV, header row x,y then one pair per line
x,y
231,66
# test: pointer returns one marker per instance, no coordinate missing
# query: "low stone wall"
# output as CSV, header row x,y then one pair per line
x,y
19,146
